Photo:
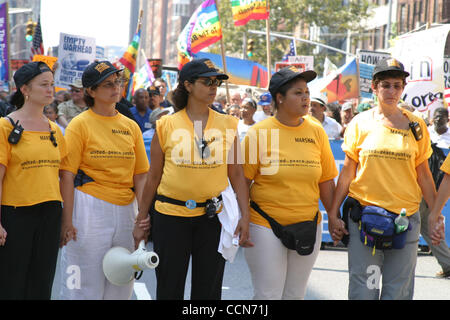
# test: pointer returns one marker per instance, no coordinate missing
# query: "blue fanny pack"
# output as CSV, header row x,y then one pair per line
x,y
377,229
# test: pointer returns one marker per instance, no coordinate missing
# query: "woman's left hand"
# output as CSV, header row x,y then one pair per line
x,y
436,229
242,231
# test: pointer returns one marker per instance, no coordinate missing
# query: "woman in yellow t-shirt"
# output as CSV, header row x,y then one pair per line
x,y
190,170
385,166
106,163
289,160
31,149
436,224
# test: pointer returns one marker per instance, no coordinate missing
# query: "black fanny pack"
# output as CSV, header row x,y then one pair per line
x,y
300,237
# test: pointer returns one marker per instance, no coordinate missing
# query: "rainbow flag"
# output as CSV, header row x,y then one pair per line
x,y
246,10
143,78
129,57
202,30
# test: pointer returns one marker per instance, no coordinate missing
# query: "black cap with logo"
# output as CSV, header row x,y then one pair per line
x,y
97,72
389,64
287,74
200,68
28,71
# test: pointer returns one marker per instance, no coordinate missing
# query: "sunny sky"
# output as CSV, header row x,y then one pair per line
x,y
106,20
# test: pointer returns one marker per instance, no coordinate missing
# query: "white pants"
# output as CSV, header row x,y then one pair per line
x,y
278,272
101,226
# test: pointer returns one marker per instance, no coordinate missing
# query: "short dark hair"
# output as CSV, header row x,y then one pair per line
x,y
386,75
87,97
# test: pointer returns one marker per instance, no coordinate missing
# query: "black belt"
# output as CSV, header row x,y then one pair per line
x,y
183,203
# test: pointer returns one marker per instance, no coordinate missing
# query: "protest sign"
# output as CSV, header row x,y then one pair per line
x,y
74,55
4,51
422,54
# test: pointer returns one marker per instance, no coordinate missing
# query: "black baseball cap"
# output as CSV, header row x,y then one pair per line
x,y
200,68
287,74
389,64
28,71
153,91
96,72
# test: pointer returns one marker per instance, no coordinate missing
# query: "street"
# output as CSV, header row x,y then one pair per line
x,y
328,281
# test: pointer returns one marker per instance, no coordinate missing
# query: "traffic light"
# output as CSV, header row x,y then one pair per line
x,y
250,48
30,30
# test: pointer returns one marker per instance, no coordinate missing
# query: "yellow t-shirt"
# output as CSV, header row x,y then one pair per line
x,y
186,175
286,165
32,166
110,150
387,159
446,165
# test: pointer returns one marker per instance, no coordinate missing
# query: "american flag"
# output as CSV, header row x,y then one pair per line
x,y
292,51
37,47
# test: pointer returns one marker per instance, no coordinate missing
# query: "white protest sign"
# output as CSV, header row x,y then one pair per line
x,y
307,61
371,57
422,54
75,54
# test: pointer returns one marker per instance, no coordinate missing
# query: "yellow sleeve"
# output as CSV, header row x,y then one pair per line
x,y
75,146
250,154
141,165
161,129
329,170
446,165
351,137
424,144
5,146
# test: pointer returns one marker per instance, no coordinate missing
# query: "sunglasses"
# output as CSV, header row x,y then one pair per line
x,y
112,84
387,86
210,82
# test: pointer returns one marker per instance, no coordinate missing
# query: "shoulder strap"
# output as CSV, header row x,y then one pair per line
x,y
12,121
276,227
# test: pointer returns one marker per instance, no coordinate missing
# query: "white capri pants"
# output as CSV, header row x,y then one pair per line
x,y
101,225
278,273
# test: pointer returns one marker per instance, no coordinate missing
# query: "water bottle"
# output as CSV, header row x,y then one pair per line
x,y
401,222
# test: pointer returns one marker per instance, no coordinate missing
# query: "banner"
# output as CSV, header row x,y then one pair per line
x,y
422,54
202,30
241,72
365,80
340,85
74,55
4,50
246,10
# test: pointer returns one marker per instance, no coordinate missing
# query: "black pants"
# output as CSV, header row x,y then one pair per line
x,y
28,259
175,240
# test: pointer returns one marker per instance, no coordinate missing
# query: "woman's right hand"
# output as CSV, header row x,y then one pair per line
x,y
68,232
336,227
139,234
3,235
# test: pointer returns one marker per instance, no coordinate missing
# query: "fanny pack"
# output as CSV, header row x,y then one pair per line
x,y
377,229
300,237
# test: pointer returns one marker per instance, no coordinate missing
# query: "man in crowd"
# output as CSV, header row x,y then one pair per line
x,y
70,109
331,126
141,110
265,101
439,132
155,97
162,87
346,116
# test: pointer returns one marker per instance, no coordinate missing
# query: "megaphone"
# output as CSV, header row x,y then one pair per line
x,y
120,265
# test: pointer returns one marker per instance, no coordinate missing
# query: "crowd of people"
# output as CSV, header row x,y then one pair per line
x,y
86,170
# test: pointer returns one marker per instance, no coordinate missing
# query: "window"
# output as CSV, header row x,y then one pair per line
x,y
435,11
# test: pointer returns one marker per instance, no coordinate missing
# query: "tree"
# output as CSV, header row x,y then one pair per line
x,y
286,16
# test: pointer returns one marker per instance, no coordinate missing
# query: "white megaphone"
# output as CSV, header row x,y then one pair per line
x,y
120,265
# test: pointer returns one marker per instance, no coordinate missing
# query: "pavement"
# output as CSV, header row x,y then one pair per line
x,y
328,280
